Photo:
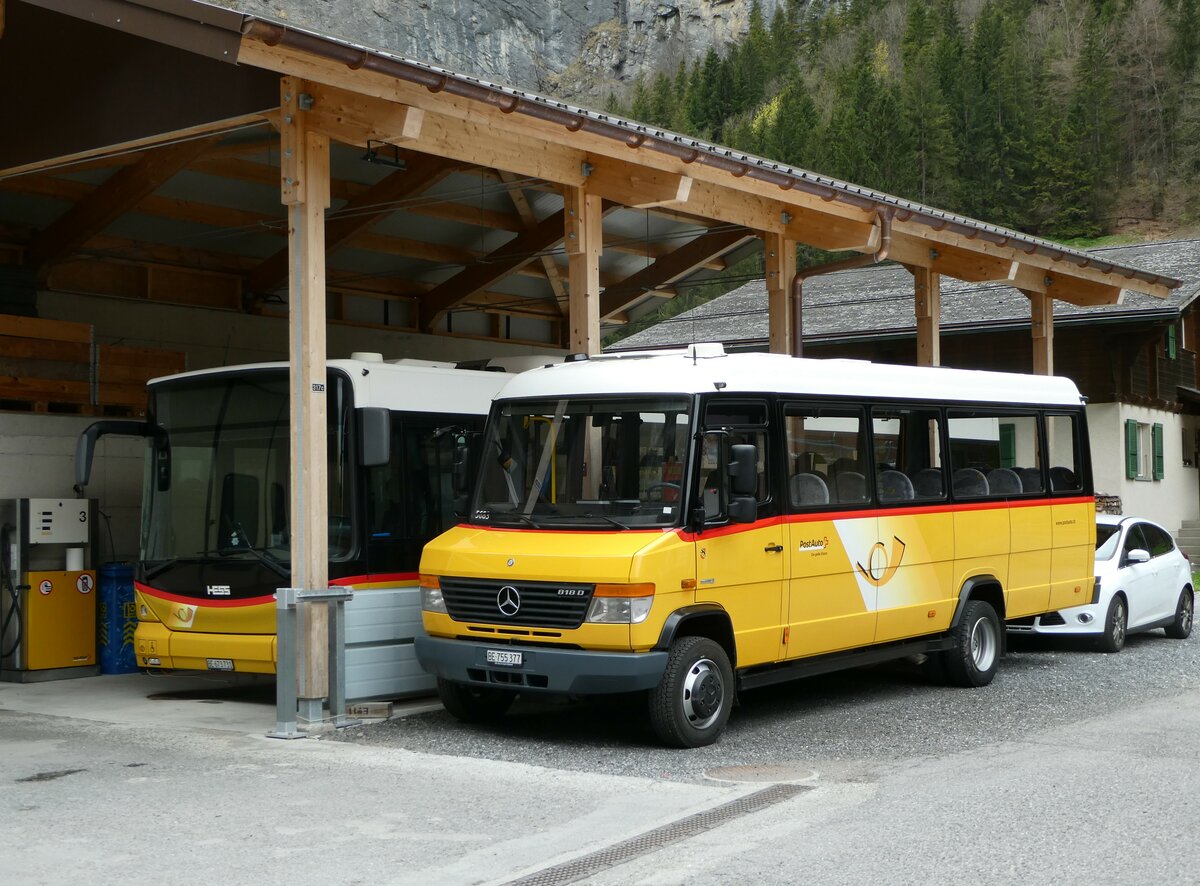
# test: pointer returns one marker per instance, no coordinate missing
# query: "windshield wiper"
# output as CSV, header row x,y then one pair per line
x,y
159,567
524,518
605,517
263,557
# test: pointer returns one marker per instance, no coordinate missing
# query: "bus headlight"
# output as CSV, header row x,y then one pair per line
x,y
621,604
431,594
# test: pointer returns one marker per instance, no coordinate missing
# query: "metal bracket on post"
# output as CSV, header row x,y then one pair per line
x,y
286,602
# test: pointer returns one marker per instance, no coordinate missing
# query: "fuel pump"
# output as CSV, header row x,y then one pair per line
x,y
47,589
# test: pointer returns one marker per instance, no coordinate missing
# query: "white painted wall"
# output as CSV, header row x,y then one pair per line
x,y
1168,501
37,460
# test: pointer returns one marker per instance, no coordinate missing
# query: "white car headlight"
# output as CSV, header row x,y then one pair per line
x,y
621,604
431,594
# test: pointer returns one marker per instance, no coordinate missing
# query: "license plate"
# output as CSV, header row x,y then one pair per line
x,y
220,664
504,657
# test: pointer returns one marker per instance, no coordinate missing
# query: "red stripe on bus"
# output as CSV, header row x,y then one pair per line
x,y
207,601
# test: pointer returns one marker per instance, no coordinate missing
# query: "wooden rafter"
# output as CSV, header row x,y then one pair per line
x,y
525,211
422,172
671,267
951,261
516,253
122,192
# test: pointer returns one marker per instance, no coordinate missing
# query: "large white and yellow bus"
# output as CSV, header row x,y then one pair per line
x,y
216,512
694,523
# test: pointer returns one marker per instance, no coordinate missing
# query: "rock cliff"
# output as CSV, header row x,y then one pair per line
x,y
574,49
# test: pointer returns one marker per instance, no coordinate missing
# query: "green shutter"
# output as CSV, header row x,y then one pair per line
x,y
1156,435
1172,346
1008,446
1131,449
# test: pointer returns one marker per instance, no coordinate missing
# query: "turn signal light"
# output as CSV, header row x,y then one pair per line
x,y
646,589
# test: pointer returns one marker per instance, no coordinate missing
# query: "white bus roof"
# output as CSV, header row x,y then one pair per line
x,y
705,368
408,385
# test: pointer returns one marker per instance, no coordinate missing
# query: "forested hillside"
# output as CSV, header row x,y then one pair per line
x,y
1063,118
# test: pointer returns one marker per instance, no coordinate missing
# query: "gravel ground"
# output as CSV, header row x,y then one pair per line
x,y
849,723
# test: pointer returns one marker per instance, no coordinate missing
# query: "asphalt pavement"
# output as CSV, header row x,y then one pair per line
x,y
1071,767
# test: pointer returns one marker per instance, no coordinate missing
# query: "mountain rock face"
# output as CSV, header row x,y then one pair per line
x,y
574,49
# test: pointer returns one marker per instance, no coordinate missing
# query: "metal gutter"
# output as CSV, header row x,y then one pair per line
x,y
680,147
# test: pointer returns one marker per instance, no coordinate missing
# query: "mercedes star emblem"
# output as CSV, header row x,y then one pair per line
x,y
508,601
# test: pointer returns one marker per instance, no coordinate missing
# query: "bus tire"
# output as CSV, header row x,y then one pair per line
x,y
1181,627
1116,626
691,704
474,704
976,653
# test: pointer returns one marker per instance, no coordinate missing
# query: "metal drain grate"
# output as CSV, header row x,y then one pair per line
x,y
651,841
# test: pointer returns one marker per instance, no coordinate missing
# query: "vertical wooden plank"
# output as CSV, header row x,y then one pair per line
x,y
780,255
305,191
1041,315
584,240
927,301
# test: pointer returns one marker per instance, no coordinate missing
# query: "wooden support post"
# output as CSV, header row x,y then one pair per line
x,y
305,192
1041,316
584,240
927,292
780,255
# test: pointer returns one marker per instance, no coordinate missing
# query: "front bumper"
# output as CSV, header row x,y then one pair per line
x,y
1087,619
542,669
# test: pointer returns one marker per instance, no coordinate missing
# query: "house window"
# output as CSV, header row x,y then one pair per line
x,y
1143,450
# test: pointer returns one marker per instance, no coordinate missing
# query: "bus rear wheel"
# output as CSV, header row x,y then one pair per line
x,y
474,704
976,653
691,704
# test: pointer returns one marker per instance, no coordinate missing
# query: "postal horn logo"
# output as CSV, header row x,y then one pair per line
x,y
880,565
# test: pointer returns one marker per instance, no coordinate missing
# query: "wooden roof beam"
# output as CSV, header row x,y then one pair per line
x,y
554,275
670,268
1064,287
422,172
950,261
515,254
123,191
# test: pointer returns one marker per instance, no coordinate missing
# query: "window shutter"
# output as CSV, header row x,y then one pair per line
x,y
1156,435
1131,449
1172,342
1008,446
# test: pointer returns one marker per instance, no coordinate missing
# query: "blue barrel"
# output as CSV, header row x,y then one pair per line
x,y
118,619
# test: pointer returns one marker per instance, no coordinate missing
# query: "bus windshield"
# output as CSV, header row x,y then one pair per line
x,y
226,496
584,463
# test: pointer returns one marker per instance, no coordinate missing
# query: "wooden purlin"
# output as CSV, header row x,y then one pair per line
x,y
423,172
478,119
670,268
122,192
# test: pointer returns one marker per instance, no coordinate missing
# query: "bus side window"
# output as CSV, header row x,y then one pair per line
x,y
825,446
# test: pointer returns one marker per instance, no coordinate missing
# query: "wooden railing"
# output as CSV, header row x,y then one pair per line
x,y
55,366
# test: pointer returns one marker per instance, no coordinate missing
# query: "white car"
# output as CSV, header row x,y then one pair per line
x,y
1145,583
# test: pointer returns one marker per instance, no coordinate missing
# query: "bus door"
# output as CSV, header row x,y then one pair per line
x,y
830,530
911,564
741,566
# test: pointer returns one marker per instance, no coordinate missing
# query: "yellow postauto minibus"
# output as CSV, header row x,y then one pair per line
x,y
693,523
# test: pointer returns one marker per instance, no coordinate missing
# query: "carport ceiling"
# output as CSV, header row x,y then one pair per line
x,y
150,171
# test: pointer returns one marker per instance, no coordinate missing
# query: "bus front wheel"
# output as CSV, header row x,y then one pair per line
x,y
976,652
691,704
474,704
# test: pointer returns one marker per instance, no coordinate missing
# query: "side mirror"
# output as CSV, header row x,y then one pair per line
x,y
374,436
462,473
1137,555
743,508
743,470
85,449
